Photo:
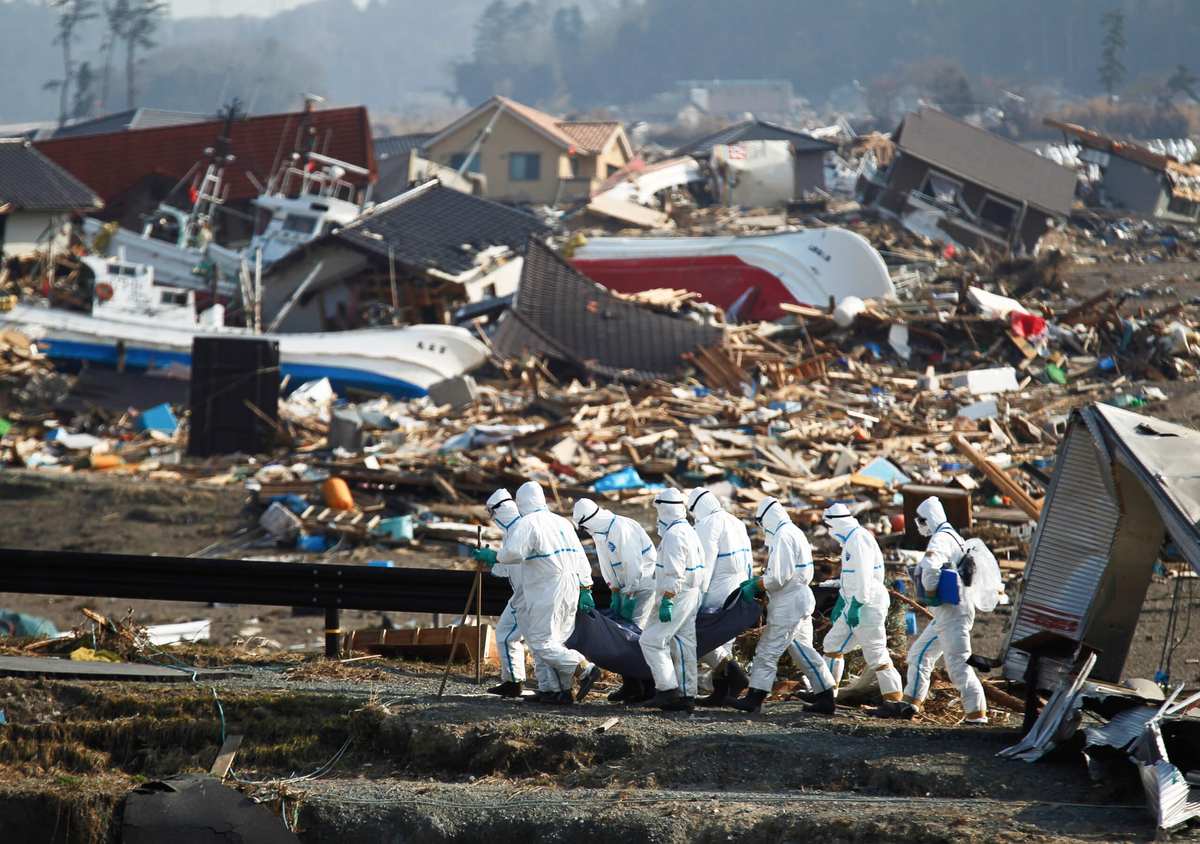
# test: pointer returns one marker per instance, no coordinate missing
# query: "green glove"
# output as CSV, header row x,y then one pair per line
x,y
838,609
615,604
627,605
750,589
586,601
854,614
664,609
487,555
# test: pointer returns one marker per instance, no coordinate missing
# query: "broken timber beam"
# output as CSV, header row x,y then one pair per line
x,y
999,477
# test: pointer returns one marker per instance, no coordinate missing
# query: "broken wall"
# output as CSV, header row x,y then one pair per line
x,y
1132,186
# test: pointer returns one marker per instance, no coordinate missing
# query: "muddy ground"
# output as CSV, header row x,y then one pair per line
x,y
408,768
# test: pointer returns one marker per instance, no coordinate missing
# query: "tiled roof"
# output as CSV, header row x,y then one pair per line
x,y
396,144
590,135
986,159
30,181
434,227
138,118
115,162
560,313
754,130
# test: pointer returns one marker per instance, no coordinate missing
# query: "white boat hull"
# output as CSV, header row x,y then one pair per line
x,y
397,361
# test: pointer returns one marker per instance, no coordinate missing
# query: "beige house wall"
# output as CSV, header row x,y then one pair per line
x,y
509,135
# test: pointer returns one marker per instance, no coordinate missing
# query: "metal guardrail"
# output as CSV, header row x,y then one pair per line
x,y
329,586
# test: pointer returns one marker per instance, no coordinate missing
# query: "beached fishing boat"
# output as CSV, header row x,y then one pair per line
x,y
139,324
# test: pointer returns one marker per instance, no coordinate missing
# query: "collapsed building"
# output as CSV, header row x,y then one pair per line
x,y
958,183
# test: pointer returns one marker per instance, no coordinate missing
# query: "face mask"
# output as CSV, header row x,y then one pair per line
x,y
923,527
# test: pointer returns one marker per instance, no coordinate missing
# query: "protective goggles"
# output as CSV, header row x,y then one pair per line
x,y
492,508
589,516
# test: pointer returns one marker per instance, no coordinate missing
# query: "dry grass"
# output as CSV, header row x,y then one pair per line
x,y
333,670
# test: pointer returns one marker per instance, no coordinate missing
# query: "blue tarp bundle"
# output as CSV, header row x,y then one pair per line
x,y
613,645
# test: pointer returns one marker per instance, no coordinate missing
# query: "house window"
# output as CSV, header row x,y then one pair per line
x,y
299,223
941,188
459,158
1179,205
525,167
613,170
998,212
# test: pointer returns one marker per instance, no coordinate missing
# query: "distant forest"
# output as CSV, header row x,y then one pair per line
x,y
407,56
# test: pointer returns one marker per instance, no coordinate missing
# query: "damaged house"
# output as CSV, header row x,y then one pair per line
x,y
955,182
528,156
414,259
1136,179
36,199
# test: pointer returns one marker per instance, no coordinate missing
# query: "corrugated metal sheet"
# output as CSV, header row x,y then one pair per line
x,y
1071,549
1122,731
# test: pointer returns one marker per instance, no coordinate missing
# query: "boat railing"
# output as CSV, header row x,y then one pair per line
x,y
316,183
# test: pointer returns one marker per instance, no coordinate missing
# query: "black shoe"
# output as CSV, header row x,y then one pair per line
x,y
631,690
667,700
737,679
752,702
648,694
587,681
906,712
564,698
510,688
889,709
823,703
719,693
553,698
685,704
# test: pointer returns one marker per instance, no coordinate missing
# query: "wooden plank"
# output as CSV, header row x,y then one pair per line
x,y
998,477
224,763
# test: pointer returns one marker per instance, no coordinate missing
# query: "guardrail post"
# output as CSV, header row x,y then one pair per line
x,y
333,634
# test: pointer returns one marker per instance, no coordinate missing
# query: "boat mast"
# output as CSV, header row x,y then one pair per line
x,y
207,192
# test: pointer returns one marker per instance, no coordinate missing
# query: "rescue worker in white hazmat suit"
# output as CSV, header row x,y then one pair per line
x,y
860,614
627,556
948,635
669,639
789,615
558,581
728,563
504,513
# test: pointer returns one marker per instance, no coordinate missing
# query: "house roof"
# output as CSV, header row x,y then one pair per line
x,y
590,136
433,227
754,130
396,144
1134,152
561,313
138,118
977,155
29,181
115,162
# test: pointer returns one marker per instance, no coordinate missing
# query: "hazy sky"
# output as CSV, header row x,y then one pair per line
x,y
258,8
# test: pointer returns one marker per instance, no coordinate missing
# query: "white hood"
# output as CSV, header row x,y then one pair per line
x,y
530,497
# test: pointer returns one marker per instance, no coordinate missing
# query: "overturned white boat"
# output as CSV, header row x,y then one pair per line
x,y
143,325
755,273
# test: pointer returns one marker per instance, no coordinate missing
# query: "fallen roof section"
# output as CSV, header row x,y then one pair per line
x,y
560,313
755,130
435,229
978,155
29,181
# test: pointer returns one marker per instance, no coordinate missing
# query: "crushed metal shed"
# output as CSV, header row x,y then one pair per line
x,y
1123,483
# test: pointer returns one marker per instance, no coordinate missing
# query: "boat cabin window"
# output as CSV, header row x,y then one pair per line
x,y
299,223
123,269
170,297
318,206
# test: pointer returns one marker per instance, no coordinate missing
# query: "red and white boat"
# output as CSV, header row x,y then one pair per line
x,y
755,273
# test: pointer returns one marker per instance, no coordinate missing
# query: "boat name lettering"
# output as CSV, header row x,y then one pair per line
x,y
816,249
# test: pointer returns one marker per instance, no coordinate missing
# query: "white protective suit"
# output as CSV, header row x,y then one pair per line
x,y
862,580
728,560
670,647
626,554
555,568
508,633
948,635
789,615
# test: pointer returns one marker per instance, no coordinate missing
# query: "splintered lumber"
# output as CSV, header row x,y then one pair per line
x,y
998,477
221,767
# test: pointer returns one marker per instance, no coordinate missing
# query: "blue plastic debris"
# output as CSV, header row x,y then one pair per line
x,y
627,478
311,543
381,564
160,418
291,501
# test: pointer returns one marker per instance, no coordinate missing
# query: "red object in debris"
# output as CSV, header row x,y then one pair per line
x,y
563,469
1026,325
898,523
193,195
948,252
